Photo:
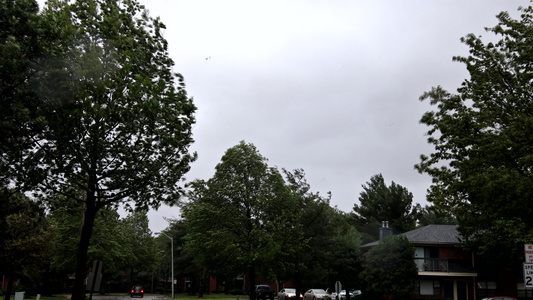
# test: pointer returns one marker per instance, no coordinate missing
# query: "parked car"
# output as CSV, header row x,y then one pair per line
x,y
342,295
137,290
288,294
315,294
499,298
264,292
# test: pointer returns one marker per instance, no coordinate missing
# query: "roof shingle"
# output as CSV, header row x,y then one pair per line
x,y
430,235
434,234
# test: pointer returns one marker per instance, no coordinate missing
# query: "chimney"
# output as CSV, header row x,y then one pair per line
x,y
384,231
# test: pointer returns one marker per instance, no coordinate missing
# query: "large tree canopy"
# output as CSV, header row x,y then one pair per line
x,y
118,125
23,39
482,162
379,202
323,244
112,123
237,219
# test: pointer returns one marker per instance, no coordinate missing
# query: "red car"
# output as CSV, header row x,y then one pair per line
x,y
137,291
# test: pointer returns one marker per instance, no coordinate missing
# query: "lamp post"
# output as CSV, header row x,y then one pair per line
x,y
172,260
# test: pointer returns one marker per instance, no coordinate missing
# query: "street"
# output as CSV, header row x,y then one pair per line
x,y
127,297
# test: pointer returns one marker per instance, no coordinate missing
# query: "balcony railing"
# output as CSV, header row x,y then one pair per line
x,y
443,265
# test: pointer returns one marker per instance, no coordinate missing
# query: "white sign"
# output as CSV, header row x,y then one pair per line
x,y
528,275
528,251
338,287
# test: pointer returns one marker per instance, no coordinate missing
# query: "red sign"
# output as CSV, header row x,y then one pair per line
x,y
528,251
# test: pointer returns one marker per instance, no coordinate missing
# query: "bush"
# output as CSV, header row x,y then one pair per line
x,y
236,292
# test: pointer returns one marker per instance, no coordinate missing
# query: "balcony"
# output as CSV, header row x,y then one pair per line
x,y
444,265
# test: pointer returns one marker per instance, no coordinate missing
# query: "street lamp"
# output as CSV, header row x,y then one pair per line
x,y
171,258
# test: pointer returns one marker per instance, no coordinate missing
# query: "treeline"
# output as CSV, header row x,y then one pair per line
x,y
249,218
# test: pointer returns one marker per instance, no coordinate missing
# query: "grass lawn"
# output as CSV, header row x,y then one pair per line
x,y
177,296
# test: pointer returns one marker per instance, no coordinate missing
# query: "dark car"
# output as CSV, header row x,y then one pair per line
x,y
137,290
264,292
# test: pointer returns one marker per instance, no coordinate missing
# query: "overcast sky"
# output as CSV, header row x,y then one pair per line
x,y
331,87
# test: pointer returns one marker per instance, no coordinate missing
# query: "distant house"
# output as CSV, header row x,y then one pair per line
x,y
445,270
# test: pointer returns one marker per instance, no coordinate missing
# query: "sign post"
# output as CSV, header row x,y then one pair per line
x,y
528,275
94,278
338,288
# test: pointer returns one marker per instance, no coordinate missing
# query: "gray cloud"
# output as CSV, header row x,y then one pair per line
x,y
331,87
328,86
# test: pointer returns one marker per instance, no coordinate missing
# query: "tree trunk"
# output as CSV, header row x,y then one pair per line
x,y
78,292
298,283
201,287
347,289
9,289
251,282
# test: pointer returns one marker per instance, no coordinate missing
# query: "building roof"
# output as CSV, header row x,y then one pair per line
x,y
430,235
434,234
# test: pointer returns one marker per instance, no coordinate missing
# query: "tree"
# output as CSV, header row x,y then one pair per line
x,y
344,258
113,123
137,237
431,215
120,244
307,249
236,219
390,268
482,161
25,239
378,203
323,246
184,263
21,43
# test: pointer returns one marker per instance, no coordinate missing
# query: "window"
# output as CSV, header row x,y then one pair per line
x,y
524,292
428,287
486,289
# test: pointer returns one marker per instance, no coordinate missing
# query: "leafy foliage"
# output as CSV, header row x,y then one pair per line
x,y
235,219
430,215
330,246
121,244
185,264
137,239
66,215
344,258
21,42
310,263
250,219
390,268
105,120
378,203
483,159
117,126
26,239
